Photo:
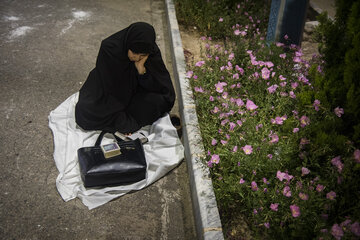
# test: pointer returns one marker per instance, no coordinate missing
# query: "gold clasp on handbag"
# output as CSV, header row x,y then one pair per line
x,y
129,148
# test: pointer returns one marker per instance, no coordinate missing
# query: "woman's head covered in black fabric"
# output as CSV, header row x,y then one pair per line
x,y
141,38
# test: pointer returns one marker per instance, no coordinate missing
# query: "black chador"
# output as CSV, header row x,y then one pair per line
x,y
115,96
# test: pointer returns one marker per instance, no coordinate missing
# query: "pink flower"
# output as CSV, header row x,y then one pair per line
x,y
200,63
211,99
254,186
284,94
336,161
213,142
319,188
337,231
239,102
266,181
304,120
241,70
265,73
297,59
304,171
357,155
294,85
295,130
250,105
199,89
283,55
232,126
253,60
331,195
345,223
215,158
220,86
237,32
270,156
355,229
278,120
274,206
287,191
316,105
303,196
269,64
247,149
274,138
215,110
235,149
283,175
189,74
292,94
258,126
223,142
235,76
221,19
267,225
242,181
229,66
295,210
280,175
225,95
282,78
339,111
283,84
231,56
272,88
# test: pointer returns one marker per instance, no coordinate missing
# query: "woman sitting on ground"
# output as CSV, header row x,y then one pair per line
x,y
130,86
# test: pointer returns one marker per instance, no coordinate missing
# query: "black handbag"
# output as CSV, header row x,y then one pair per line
x,y
122,162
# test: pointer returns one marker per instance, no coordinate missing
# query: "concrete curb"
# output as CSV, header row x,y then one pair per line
x,y
207,219
318,9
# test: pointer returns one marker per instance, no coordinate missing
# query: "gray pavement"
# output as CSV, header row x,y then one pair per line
x,y
47,49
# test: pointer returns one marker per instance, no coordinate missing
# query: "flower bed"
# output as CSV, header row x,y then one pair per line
x,y
268,148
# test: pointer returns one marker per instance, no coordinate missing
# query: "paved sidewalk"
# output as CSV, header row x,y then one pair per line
x,y
47,49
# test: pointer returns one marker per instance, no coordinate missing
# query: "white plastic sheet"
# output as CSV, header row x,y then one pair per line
x,y
163,152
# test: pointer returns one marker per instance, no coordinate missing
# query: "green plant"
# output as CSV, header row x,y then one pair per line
x,y
279,154
340,47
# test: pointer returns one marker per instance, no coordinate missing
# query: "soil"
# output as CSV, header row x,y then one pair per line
x,y
191,43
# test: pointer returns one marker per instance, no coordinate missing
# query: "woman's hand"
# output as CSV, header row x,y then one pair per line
x,y
140,64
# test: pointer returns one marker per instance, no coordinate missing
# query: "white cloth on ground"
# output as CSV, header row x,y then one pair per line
x,y
163,152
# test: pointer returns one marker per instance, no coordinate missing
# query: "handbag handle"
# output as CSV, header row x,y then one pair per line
x,y
100,137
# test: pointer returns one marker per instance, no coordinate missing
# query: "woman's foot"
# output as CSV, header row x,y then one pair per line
x,y
176,122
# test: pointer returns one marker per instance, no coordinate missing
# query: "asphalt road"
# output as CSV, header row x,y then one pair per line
x,y
47,49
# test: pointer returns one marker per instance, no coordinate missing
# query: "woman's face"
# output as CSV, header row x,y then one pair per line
x,y
135,57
